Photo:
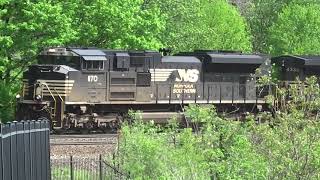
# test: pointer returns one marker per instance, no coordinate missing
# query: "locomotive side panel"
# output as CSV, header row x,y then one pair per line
x,y
177,80
122,86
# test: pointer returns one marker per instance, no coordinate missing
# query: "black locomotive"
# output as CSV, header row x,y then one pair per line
x,y
292,67
90,88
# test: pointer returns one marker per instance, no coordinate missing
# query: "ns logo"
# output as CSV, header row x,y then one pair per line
x,y
187,75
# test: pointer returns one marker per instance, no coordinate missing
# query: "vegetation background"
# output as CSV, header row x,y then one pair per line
x,y
286,146
272,27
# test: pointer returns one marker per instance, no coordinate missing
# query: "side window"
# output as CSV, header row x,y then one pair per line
x,y
92,65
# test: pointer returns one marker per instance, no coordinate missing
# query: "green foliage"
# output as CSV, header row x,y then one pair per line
x,y
204,24
264,15
78,174
220,150
117,24
25,27
290,147
7,99
296,31
285,146
222,27
261,15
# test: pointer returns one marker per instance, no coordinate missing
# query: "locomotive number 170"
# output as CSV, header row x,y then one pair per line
x,y
92,78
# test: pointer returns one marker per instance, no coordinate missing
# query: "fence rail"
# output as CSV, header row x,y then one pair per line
x,y
25,150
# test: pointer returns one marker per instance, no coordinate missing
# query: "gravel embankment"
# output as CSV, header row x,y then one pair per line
x,y
60,148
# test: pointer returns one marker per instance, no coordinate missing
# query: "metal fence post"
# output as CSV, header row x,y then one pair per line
x,y
47,140
43,161
37,133
6,150
1,154
13,142
33,154
27,158
20,150
100,166
71,168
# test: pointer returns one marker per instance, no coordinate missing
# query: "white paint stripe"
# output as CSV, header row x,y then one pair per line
x,y
22,132
164,69
159,77
161,74
55,92
58,84
60,94
56,81
58,88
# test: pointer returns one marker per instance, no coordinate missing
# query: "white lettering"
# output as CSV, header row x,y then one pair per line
x,y
189,75
92,78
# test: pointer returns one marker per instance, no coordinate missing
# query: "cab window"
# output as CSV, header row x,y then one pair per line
x,y
92,65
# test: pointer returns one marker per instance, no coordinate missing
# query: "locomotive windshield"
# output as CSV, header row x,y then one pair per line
x,y
70,61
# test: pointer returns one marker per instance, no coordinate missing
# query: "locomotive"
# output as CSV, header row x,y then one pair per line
x,y
92,88
297,67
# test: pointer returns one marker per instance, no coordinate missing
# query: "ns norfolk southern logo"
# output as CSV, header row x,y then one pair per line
x,y
175,75
187,75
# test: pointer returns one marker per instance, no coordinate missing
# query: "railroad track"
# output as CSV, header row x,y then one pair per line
x,y
90,139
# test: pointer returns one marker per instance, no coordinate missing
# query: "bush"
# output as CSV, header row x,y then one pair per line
x,y
287,145
7,101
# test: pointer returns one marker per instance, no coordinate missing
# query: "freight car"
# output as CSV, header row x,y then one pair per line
x,y
90,88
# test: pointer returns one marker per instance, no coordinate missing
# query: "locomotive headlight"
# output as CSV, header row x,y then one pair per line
x,y
38,97
18,96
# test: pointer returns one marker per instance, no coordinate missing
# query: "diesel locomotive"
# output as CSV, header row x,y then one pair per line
x,y
91,88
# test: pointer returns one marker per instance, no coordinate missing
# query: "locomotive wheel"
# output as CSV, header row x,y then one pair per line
x,y
84,131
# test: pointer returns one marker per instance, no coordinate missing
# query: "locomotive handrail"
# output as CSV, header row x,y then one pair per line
x,y
23,90
54,99
58,94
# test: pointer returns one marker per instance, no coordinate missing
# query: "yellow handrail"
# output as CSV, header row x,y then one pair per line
x,y
55,101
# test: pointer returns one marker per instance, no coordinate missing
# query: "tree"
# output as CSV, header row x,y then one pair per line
x,y
203,24
223,28
25,27
296,30
116,24
261,15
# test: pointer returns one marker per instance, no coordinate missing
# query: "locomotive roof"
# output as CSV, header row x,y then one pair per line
x,y
91,54
226,57
236,58
312,60
307,60
180,59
